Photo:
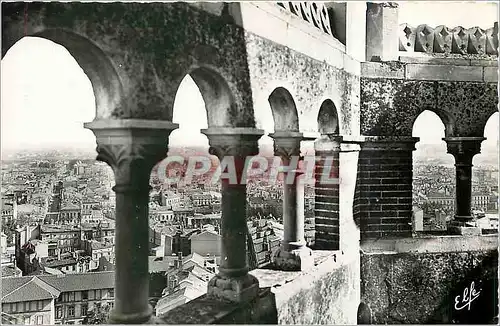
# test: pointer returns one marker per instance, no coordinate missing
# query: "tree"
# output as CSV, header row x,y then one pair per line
x,y
98,315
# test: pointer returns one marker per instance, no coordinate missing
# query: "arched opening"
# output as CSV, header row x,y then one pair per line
x,y
328,125
283,117
49,169
284,110
183,205
485,177
433,174
328,120
105,82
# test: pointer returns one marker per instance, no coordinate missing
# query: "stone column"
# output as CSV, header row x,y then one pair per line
x,y
131,148
385,172
463,149
327,206
233,282
293,254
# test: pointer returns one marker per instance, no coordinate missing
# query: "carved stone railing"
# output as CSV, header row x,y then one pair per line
x,y
442,39
313,12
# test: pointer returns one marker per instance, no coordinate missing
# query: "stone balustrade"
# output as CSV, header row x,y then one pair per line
x,y
313,12
442,39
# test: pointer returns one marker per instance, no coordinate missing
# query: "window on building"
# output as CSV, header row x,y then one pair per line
x,y
58,312
39,320
39,305
83,310
71,296
85,295
27,321
111,293
71,311
98,294
33,305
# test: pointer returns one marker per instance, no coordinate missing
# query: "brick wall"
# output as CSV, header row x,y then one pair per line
x,y
326,206
384,189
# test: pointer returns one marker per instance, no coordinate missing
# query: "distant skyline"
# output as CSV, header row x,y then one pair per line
x,y
46,96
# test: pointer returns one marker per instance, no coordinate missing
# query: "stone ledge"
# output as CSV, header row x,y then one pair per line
x,y
424,68
430,244
454,61
490,74
204,310
286,297
382,70
443,72
328,293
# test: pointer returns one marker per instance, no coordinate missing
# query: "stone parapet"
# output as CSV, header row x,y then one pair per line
x,y
442,39
429,244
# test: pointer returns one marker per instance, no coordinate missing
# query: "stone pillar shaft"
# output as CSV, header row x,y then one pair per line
x,y
233,228
131,148
131,250
463,149
293,211
463,190
232,146
293,254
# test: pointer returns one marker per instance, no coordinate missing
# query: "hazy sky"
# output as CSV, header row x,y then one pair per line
x,y
449,13
46,96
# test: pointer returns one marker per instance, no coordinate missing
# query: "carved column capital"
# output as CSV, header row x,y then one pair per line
x,y
328,142
131,147
464,148
238,142
287,143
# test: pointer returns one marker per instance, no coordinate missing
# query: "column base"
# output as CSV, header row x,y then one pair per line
x,y
460,227
299,259
137,318
235,289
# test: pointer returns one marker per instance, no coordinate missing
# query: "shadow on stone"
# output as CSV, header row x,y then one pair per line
x,y
364,314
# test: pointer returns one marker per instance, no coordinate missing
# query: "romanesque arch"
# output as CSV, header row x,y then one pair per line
x,y
446,118
106,84
493,115
284,110
328,120
219,100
